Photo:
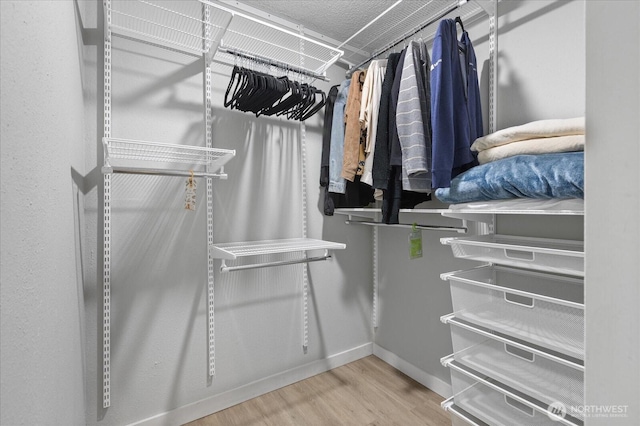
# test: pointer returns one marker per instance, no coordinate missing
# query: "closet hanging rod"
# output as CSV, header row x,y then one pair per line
x,y
225,268
161,172
267,61
407,35
235,12
459,229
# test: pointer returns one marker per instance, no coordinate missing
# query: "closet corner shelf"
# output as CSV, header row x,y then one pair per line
x,y
146,157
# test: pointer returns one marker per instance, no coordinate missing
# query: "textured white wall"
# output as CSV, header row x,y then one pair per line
x,y
42,112
541,75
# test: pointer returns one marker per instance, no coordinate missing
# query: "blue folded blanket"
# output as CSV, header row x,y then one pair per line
x,y
557,175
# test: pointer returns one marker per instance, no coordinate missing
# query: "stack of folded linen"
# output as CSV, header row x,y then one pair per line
x,y
536,137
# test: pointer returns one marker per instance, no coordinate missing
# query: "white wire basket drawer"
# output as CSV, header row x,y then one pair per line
x,y
542,309
154,154
499,405
551,255
179,24
547,377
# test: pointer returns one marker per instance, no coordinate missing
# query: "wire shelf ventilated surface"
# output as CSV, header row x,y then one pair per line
x,y
246,36
177,24
182,25
256,248
147,153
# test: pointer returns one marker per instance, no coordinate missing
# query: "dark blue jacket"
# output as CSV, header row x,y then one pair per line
x,y
456,114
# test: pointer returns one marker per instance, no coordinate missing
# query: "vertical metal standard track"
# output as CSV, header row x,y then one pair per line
x,y
209,143
493,67
106,272
305,266
374,312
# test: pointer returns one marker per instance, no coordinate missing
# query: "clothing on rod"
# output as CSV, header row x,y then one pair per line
x,y
369,108
455,104
326,149
405,125
353,160
337,183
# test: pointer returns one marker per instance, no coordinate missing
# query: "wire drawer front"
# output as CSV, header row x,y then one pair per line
x,y
542,309
526,371
558,256
501,409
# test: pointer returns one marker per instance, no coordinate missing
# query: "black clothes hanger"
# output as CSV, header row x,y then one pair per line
x,y
235,77
264,94
317,107
459,21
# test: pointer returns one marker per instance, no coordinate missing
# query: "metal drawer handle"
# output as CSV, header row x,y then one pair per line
x,y
520,255
519,353
519,406
527,302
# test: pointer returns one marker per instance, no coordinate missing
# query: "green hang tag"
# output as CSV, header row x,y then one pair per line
x,y
415,243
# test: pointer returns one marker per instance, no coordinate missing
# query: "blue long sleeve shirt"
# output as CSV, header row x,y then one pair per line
x,y
456,113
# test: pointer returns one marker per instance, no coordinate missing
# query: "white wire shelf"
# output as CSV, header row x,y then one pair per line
x,y
182,25
232,251
201,26
150,156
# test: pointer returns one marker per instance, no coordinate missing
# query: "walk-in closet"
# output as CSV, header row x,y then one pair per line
x,y
243,212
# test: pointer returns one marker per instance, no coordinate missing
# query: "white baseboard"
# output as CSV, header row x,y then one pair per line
x,y
437,385
232,397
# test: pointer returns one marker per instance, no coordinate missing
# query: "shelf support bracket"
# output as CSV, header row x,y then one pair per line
x,y
209,144
106,218
305,260
459,229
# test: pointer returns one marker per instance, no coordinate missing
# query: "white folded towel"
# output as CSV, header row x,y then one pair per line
x,y
533,146
532,130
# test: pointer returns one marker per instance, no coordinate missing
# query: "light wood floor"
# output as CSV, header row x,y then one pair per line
x,y
366,392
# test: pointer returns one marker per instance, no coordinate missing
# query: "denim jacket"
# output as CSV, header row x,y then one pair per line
x,y
337,183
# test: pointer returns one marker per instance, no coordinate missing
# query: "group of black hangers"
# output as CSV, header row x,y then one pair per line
x,y
264,94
